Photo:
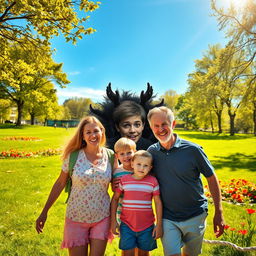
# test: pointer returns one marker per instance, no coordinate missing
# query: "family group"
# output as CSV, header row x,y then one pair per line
x,y
167,172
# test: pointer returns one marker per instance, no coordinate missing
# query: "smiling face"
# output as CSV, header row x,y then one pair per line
x,y
141,166
131,128
92,134
162,128
125,157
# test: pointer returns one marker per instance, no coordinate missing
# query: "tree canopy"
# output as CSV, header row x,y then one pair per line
x,y
78,107
37,21
240,24
27,71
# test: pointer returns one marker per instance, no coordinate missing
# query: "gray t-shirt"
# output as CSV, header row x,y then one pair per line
x,y
178,172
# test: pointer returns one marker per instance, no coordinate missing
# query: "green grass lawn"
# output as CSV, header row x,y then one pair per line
x,y
26,182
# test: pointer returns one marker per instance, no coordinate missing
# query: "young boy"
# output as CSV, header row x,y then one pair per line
x,y
137,219
124,150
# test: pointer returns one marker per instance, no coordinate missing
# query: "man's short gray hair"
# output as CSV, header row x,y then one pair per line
x,y
163,109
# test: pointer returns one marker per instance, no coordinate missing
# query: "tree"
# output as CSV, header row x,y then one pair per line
x,y
37,21
42,101
64,113
231,74
78,107
204,97
170,99
26,70
250,101
240,27
5,109
185,112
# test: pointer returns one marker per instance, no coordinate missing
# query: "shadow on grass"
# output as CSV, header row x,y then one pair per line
x,y
12,126
235,162
215,136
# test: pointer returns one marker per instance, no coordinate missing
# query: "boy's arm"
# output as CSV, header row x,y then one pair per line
x,y
113,209
158,230
115,181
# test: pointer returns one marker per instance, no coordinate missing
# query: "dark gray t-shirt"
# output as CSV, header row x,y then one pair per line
x,y
178,173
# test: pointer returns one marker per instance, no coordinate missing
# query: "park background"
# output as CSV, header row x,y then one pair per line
x,y
214,98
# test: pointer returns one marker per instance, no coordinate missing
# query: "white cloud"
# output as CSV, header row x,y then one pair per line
x,y
85,92
74,73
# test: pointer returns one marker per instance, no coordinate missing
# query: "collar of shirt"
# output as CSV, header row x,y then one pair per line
x,y
176,144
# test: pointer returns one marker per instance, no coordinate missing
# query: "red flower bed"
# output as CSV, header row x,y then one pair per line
x,y
21,138
21,154
237,191
240,235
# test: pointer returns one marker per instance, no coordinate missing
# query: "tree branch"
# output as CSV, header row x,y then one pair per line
x,y
6,11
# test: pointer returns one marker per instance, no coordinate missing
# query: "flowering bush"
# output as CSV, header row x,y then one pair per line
x,y
237,191
241,236
18,154
21,138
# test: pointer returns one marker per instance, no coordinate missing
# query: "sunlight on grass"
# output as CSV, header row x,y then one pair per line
x,y
26,182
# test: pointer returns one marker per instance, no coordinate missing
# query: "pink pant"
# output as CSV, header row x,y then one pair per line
x,y
79,234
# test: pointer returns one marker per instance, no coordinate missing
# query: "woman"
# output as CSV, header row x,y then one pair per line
x,y
88,209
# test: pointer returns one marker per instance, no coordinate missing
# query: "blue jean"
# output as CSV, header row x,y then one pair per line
x,y
130,239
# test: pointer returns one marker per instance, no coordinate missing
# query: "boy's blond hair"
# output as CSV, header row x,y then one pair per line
x,y
143,153
124,144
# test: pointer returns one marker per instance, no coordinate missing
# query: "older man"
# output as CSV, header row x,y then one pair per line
x,y
177,165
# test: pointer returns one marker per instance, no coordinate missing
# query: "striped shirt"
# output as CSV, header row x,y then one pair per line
x,y
118,173
137,210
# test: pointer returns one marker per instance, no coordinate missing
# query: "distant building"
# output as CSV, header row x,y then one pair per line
x,y
62,123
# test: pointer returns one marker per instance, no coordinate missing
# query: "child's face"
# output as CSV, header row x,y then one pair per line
x,y
141,166
131,128
125,157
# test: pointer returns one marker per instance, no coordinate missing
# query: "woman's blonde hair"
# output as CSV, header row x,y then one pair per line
x,y
124,144
77,142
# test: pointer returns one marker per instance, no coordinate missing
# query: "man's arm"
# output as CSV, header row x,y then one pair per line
x,y
218,219
158,230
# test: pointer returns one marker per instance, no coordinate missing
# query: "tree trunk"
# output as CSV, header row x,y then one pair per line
x,y
32,118
254,119
232,122
20,105
212,126
219,114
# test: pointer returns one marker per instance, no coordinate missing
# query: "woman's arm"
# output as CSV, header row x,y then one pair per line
x,y
113,209
158,230
54,194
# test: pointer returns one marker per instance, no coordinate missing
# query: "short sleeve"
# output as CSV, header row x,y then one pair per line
x,y
203,164
156,190
65,164
120,189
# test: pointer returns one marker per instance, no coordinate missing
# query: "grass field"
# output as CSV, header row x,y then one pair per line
x,y
26,182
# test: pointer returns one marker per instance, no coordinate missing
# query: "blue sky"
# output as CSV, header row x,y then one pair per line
x,y
138,41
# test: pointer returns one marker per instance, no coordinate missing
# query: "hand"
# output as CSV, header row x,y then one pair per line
x,y
116,163
157,232
40,222
218,224
115,228
115,183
